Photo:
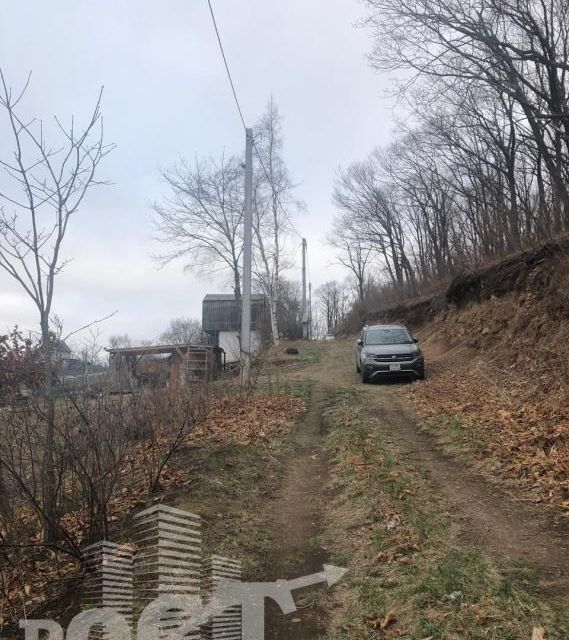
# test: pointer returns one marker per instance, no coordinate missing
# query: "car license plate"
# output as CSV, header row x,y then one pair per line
x,y
394,367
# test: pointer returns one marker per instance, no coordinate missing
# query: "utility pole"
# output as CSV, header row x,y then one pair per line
x,y
247,249
304,305
310,310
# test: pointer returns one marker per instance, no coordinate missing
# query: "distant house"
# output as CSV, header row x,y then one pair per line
x,y
67,363
221,322
61,351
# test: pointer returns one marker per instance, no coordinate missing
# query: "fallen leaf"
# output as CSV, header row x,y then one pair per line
x,y
538,633
389,619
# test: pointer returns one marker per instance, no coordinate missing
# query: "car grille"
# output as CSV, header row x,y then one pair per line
x,y
401,357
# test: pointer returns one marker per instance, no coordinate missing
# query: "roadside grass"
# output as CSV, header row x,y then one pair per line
x,y
409,577
308,351
299,388
455,436
231,485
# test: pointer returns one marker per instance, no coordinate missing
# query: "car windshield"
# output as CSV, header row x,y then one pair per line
x,y
393,335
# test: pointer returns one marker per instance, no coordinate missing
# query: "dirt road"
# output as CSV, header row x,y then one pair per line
x,y
311,521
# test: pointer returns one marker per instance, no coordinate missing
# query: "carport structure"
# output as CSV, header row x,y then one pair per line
x,y
181,364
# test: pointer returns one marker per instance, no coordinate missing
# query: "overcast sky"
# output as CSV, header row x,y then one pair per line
x,y
166,96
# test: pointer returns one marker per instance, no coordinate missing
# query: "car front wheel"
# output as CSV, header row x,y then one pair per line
x,y
365,377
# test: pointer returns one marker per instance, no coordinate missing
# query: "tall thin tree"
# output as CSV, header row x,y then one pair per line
x,y
43,190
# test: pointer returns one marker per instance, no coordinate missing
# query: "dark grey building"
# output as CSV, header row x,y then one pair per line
x,y
221,321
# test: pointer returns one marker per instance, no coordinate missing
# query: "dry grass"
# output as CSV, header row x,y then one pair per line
x,y
500,369
409,574
34,574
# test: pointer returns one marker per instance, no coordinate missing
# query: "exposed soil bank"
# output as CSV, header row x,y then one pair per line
x,y
532,270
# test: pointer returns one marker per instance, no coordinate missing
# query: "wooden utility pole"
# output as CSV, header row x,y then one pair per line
x,y
247,250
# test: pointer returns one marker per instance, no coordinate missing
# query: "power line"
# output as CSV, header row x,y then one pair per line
x,y
226,65
233,90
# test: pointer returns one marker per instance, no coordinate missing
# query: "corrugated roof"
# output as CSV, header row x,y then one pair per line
x,y
158,349
220,312
229,297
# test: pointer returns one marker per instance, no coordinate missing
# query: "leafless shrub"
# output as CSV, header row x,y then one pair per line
x,y
110,452
162,420
101,443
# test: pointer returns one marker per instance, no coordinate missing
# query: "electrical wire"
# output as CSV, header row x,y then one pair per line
x,y
234,91
226,64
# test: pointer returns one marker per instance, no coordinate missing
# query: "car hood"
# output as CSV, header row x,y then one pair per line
x,y
390,349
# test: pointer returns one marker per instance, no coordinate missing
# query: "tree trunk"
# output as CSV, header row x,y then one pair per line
x,y
236,281
274,323
5,506
49,498
274,301
361,293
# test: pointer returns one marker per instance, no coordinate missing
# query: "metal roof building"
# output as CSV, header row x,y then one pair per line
x,y
221,313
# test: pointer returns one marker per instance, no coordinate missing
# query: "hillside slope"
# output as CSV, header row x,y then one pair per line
x,y
497,344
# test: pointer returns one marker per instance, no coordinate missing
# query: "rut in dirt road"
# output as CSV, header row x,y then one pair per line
x,y
514,533
295,517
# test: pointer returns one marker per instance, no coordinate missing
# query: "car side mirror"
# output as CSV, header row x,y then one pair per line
x,y
360,342
415,340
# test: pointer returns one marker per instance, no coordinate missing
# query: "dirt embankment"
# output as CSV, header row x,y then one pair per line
x,y
531,271
497,344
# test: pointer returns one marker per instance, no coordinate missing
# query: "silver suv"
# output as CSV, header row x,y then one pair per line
x,y
386,350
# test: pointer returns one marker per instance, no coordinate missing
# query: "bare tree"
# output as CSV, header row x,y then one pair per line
x,y
119,341
290,310
44,188
90,353
481,169
363,193
182,331
335,301
201,217
352,251
515,49
273,193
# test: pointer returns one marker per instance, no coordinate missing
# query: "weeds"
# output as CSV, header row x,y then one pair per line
x,y
405,559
